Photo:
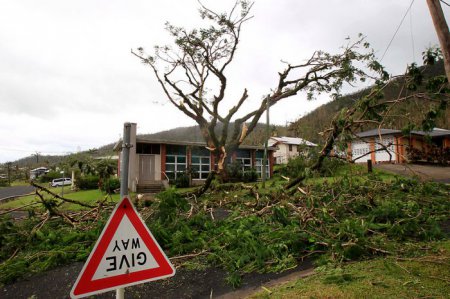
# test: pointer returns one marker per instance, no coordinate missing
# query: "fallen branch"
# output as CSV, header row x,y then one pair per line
x,y
62,198
188,255
15,209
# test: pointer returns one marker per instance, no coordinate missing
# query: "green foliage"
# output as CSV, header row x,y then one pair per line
x,y
25,251
49,176
301,164
105,168
346,219
109,185
235,173
4,183
250,176
431,78
431,55
87,182
182,180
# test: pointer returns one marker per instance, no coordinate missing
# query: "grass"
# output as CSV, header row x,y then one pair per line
x,y
86,196
16,183
426,276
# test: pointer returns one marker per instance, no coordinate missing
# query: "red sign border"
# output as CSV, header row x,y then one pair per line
x,y
85,286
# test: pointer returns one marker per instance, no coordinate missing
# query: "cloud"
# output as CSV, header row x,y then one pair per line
x,y
68,79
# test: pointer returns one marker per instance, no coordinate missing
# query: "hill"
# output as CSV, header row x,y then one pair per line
x,y
256,137
316,121
192,133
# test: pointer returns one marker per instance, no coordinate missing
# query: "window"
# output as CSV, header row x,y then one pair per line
x,y
175,160
259,164
259,167
290,147
147,149
200,163
245,159
246,163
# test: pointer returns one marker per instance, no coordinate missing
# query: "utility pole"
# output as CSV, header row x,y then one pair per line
x,y
442,32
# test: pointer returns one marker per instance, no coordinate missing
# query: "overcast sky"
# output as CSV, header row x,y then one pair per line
x,y
68,81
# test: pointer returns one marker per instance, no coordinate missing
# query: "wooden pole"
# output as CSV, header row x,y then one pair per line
x,y
442,32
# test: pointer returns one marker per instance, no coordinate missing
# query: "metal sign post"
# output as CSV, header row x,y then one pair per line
x,y
126,253
124,167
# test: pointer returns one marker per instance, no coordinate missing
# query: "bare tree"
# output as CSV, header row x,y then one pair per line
x,y
192,74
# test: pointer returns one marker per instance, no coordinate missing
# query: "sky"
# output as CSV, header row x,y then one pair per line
x,y
68,81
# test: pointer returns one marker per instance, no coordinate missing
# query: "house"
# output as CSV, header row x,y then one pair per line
x,y
156,162
417,145
35,173
288,147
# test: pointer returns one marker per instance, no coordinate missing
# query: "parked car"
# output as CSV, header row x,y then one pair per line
x,y
61,182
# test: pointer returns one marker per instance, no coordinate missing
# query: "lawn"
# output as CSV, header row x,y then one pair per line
x,y
86,196
425,276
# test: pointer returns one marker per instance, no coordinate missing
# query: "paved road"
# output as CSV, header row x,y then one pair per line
x,y
425,172
15,191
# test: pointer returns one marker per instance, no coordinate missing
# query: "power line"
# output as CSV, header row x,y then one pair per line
x,y
412,37
396,31
445,3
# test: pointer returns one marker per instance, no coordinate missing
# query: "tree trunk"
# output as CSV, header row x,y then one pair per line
x,y
201,190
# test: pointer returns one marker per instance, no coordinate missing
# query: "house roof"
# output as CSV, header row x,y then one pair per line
x,y
376,132
436,132
291,140
40,169
118,145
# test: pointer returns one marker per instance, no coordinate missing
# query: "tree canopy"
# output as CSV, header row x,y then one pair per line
x,y
192,73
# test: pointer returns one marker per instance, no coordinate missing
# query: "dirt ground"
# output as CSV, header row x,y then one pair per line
x,y
209,283
424,172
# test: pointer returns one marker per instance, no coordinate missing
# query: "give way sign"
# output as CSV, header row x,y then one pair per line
x,y
125,254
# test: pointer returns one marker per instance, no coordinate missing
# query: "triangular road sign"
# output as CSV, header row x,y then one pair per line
x,y
125,254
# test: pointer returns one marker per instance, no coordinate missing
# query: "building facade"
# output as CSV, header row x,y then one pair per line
x,y
163,160
392,146
288,148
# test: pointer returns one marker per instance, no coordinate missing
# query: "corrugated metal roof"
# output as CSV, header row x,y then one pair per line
x,y
292,140
376,132
436,132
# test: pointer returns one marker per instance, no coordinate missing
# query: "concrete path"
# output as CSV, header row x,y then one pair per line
x,y
424,172
9,192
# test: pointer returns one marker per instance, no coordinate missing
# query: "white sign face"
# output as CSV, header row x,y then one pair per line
x,y
125,255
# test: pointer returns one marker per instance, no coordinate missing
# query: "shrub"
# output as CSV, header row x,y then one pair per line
x,y
4,183
234,171
294,167
87,182
330,166
49,176
111,184
250,176
299,164
182,180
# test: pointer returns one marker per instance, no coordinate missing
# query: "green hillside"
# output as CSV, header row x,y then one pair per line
x,y
256,137
310,125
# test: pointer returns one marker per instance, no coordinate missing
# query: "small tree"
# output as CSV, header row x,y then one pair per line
x,y
191,72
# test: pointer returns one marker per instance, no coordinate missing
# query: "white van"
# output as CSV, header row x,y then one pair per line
x,y
61,182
